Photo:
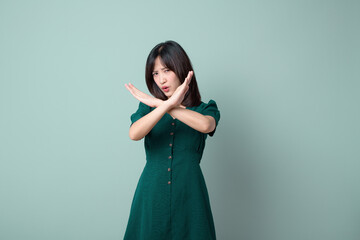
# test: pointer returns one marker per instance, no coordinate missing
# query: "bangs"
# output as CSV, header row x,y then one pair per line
x,y
167,60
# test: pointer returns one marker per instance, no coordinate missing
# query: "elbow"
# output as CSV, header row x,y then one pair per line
x,y
208,128
133,136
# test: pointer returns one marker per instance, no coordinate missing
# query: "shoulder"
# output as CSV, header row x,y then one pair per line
x,y
211,104
210,108
143,106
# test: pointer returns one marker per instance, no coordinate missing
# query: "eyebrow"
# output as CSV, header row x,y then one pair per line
x,y
161,69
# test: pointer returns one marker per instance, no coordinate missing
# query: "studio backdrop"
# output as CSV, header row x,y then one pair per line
x,y
284,162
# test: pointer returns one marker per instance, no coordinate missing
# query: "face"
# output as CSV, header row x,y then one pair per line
x,y
165,79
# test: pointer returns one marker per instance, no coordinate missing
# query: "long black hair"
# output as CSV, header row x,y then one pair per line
x,y
174,57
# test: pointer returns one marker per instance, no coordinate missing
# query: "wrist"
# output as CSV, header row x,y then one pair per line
x,y
159,102
169,105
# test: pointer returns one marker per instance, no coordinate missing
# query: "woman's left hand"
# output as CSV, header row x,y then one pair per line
x,y
143,97
178,96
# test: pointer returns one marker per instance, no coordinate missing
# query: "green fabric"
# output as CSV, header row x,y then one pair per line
x,y
171,200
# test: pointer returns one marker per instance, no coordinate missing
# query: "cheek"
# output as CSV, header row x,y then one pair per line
x,y
156,81
178,83
175,80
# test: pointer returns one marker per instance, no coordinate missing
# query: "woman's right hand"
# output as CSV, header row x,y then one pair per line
x,y
143,97
178,96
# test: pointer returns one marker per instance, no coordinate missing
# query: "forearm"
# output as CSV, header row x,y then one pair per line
x,y
193,119
143,126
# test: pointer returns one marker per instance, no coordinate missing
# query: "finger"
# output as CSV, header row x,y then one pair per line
x,y
141,96
186,81
128,88
132,92
189,77
135,90
191,74
131,88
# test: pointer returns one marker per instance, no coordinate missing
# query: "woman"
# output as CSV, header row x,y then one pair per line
x,y
171,201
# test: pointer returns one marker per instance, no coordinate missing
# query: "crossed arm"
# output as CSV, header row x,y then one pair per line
x,y
195,120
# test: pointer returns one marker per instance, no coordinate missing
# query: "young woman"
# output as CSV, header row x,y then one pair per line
x,y
171,201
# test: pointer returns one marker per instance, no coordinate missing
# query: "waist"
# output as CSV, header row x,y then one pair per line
x,y
170,155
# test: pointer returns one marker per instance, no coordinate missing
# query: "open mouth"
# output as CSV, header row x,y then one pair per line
x,y
165,89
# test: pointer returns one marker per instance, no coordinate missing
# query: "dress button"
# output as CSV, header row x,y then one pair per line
x,y
169,169
169,182
169,157
173,124
170,144
171,133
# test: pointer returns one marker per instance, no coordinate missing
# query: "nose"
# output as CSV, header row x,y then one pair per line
x,y
162,79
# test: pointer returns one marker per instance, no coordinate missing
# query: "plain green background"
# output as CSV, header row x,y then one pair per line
x,y
283,164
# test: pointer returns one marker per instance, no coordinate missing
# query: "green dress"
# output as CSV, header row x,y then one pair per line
x,y
171,200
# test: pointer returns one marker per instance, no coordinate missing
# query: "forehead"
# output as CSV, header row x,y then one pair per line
x,y
158,64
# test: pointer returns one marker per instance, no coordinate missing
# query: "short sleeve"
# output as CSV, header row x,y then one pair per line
x,y
211,109
142,110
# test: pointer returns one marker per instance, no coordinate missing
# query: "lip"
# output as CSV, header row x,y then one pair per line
x,y
165,88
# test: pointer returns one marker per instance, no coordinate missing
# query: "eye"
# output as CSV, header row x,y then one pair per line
x,y
155,73
166,70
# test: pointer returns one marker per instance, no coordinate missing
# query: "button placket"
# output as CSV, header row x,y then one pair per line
x,y
170,157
